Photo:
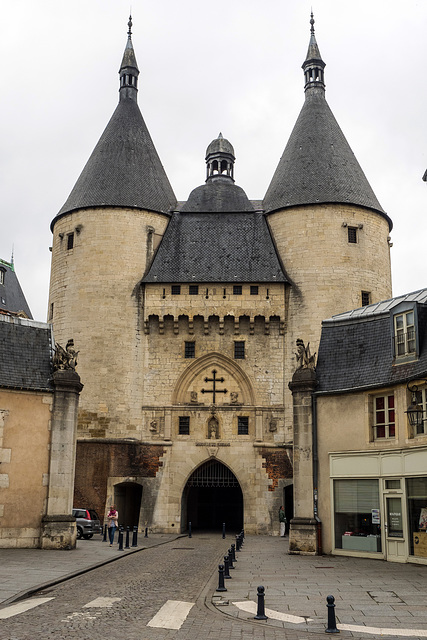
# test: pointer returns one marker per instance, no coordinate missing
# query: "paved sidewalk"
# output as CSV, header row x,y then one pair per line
x,y
23,571
370,595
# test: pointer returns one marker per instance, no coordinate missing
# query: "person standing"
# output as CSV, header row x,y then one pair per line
x,y
282,521
113,523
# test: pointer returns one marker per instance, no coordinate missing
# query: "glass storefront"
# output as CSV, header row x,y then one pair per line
x,y
357,515
416,491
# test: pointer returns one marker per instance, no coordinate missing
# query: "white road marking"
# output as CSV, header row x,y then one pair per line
x,y
102,602
381,631
251,607
21,607
172,615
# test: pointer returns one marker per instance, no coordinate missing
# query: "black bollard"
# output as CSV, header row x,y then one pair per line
x,y
233,551
221,586
146,532
226,568
332,623
223,530
104,538
242,538
189,530
135,536
127,538
120,540
230,559
237,543
260,613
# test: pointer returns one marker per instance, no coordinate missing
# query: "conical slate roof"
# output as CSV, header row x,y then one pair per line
x,y
124,169
318,165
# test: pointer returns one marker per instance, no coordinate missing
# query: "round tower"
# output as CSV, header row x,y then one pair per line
x,y
330,230
104,238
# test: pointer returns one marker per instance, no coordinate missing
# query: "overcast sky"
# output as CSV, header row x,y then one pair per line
x,y
207,67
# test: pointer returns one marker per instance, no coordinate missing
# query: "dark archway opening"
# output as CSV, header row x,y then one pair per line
x,y
127,498
211,497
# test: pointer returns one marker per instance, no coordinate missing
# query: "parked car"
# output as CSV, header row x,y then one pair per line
x,y
87,523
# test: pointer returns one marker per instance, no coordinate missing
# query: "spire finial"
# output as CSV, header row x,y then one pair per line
x,y
220,136
130,26
312,23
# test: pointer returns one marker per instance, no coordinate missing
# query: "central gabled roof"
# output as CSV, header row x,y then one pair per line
x,y
216,247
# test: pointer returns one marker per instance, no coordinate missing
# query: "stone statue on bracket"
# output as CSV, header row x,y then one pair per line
x,y
64,359
213,428
304,358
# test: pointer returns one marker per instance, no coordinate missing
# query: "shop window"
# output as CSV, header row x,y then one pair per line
x,y
416,491
242,425
190,350
184,425
239,350
384,426
421,399
404,334
357,515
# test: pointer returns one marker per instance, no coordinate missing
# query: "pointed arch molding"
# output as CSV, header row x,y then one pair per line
x,y
181,394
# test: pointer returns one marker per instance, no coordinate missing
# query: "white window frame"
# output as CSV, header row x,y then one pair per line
x,y
421,430
386,424
404,336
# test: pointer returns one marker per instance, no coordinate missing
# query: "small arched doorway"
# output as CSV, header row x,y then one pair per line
x,y
127,498
211,497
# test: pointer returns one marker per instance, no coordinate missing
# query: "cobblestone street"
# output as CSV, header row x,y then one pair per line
x,y
130,597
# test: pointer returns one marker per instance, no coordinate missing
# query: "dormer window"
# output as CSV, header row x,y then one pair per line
x,y
404,334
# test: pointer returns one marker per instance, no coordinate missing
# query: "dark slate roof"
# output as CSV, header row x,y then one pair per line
x,y
220,145
124,169
356,348
25,354
318,165
211,247
12,298
218,195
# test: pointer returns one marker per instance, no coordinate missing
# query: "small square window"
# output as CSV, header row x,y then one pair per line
x,y
366,298
175,289
190,350
239,350
184,425
352,235
242,425
70,240
193,289
254,289
237,290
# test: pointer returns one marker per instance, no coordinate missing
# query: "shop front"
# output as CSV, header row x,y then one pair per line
x,y
379,509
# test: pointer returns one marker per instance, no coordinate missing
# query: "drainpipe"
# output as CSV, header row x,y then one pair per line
x,y
316,474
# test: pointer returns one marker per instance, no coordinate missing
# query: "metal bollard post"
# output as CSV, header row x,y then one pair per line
x,y
127,538
146,532
242,538
223,530
189,530
135,536
226,568
104,538
332,623
230,559
221,586
233,551
260,614
237,543
120,540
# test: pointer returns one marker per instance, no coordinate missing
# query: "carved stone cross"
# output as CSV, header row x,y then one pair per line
x,y
214,390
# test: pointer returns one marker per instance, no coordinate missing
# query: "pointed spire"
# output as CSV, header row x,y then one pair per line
x,y
129,71
313,65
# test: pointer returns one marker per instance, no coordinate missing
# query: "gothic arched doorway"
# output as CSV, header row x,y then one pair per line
x,y
212,496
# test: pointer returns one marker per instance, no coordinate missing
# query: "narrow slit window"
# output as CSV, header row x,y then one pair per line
x,y
352,235
70,241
